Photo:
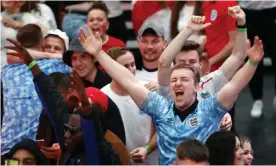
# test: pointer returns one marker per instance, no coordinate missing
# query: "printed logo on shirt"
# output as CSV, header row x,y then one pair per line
x,y
205,95
193,122
214,14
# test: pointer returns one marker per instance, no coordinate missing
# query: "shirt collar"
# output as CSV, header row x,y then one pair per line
x,y
184,114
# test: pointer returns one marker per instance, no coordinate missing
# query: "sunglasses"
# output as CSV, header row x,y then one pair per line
x,y
71,129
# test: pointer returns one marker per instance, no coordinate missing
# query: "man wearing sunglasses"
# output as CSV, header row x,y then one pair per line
x,y
81,138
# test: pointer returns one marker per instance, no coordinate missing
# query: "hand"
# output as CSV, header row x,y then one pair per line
x,y
151,86
237,13
196,23
92,44
256,52
78,86
53,152
20,51
138,155
8,22
226,123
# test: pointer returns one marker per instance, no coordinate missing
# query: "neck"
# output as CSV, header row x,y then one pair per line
x,y
92,75
116,88
150,65
191,102
12,10
105,38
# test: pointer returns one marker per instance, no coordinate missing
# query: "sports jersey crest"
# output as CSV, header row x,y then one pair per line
x,y
214,14
193,121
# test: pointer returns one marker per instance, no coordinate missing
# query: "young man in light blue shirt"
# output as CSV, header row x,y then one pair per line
x,y
183,118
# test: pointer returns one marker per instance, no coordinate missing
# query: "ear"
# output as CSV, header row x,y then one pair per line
x,y
197,86
204,65
107,25
42,45
174,163
165,43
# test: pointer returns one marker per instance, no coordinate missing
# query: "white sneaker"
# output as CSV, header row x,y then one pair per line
x,y
256,111
274,102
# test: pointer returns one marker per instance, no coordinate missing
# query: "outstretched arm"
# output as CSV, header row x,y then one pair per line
x,y
235,60
168,55
92,44
228,95
35,55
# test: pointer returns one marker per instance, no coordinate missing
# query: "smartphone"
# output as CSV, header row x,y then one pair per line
x,y
11,162
40,143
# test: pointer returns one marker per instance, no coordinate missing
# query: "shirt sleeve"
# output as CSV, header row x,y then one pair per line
x,y
155,106
214,110
219,80
165,91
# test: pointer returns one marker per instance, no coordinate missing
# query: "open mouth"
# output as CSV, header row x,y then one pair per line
x,y
179,94
96,29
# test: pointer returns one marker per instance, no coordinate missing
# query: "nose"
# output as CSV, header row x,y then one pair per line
x,y
178,82
53,50
250,156
149,46
77,62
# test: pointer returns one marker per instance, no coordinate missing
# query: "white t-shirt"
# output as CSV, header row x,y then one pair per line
x,y
143,76
138,126
11,33
210,84
45,16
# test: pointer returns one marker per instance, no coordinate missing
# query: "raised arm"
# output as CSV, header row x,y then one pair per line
x,y
93,44
168,55
228,95
235,60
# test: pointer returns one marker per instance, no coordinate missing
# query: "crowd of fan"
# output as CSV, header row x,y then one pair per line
x,y
75,97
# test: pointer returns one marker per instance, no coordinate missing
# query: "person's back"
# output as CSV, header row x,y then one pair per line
x,y
22,106
221,33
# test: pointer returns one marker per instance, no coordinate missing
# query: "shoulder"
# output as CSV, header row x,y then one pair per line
x,y
106,88
116,42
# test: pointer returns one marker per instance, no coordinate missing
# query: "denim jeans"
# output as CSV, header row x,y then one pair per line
x,y
71,24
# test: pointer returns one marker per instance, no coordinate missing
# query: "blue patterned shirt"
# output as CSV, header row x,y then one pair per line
x,y
22,106
199,125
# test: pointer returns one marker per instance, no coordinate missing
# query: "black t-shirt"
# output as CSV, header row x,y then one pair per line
x,y
101,80
183,114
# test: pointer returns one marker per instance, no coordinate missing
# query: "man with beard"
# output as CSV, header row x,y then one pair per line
x,y
151,44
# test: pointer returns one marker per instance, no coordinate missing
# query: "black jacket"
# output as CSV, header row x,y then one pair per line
x,y
57,112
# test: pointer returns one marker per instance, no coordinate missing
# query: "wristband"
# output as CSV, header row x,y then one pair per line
x,y
31,65
148,148
253,63
241,29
